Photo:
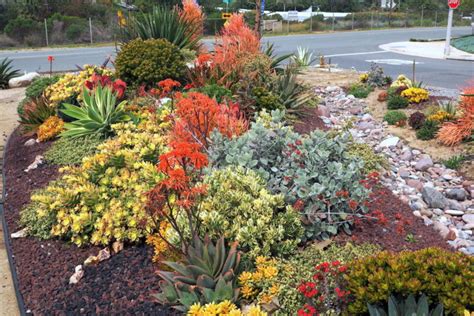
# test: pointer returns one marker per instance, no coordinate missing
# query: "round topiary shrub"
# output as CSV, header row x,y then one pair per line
x,y
149,61
395,117
416,120
397,102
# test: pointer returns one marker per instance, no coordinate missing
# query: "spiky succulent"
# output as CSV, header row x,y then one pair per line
x,y
407,307
206,275
7,72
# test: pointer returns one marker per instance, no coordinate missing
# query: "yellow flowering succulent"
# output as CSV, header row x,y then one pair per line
x,y
225,308
364,77
416,95
71,84
261,285
103,199
440,116
402,81
50,128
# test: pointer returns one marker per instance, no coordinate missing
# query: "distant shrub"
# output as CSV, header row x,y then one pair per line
x,y
395,117
416,120
148,62
428,130
73,32
443,276
454,162
20,27
360,91
397,102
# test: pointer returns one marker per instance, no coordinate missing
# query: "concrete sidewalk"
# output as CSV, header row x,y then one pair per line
x,y
427,49
8,121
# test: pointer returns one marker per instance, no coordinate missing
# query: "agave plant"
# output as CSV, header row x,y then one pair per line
x,y
292,94
162,23
409,307
206,275
99,110
303,57
34,113
276,60
6,73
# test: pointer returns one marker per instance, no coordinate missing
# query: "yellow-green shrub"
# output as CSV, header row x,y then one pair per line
x,y
71,85
103,199
443,276
149,61
372,161
240,208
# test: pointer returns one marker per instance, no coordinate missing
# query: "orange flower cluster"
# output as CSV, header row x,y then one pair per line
x,y
199,115
193,15
50,128
452,133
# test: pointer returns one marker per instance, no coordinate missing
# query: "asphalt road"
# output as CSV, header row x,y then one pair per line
x,y
346,49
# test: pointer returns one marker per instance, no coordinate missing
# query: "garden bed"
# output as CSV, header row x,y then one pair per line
x,y
120,285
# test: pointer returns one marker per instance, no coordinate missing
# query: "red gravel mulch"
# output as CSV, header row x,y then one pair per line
x,y
402,230
309,121
120,285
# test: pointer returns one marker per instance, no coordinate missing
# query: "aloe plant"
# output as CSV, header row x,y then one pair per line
x,y
408,307
206,275
303,57
162,23
98,111
7,72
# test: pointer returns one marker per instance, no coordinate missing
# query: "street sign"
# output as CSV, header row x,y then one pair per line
x,y
226,16
454,4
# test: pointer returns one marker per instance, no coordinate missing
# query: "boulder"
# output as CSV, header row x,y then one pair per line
x,y
456,194
389,142
424,163
433,198
23,81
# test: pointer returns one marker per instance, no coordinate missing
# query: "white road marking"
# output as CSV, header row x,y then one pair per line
x,y
355,54
394,62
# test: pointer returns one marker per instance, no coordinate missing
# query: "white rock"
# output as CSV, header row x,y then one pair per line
x,y
454,212
23,81
30,142
20,234
468,218
77,276
391,141
38,161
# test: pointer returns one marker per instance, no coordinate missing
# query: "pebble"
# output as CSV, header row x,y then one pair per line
x,y
454,212
389,142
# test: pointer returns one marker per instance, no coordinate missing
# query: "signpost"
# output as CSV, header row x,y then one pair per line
x,y
453,5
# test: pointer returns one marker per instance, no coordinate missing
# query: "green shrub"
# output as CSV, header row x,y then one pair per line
x,y
395,117
309,171
397,102
360,91
70,151
443,276
38,226
301,267
239,207
372,161
149,61
21,27
428,130
38,85
215,91
73,32
266,99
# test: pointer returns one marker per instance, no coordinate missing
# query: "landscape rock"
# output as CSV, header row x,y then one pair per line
x,y
23,81
30,142
35,164
423,164
468,218
433,198
389,142
454,212
323,111
77,276
456,194
20,234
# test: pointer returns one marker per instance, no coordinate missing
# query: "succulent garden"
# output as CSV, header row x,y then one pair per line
x,y
176,183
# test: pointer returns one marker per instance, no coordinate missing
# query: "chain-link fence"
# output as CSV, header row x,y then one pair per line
x,y
54,31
